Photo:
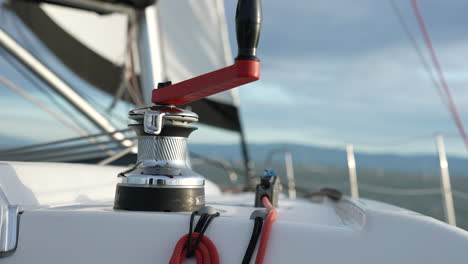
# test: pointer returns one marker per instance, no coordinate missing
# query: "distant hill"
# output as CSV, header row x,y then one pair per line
x,y
312,155
7,142
304,155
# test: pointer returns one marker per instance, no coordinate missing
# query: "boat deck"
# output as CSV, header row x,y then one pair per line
x,y
88,230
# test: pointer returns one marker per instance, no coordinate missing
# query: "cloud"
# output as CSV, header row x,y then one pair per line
x,y
382,95
337,71
345,28
344,71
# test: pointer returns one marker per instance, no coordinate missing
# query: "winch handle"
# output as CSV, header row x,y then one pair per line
x,y
245,69
248,27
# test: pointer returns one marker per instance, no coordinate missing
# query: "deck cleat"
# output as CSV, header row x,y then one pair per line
x,y
162,179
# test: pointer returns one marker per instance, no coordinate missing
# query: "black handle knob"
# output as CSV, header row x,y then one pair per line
x,y
248,26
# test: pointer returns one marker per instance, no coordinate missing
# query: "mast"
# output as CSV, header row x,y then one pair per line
x,y
150,49
157,49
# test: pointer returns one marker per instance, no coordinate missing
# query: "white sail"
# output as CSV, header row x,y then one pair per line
x,y
195,41
192,39
87,51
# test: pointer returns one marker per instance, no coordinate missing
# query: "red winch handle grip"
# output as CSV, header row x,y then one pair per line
x,y
245,69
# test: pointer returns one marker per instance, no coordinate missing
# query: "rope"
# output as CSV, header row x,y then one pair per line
x,y
417,49
257,230
194,247
195,243
440,73
270,219
206,253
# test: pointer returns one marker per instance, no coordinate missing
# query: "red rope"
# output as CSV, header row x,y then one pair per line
x,y
270,219
206,252
440,73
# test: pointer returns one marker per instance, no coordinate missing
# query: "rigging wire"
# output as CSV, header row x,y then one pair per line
x,y
75,125
40,87
18,25
128,82
23,34
42,106
64,141
134,89
105,110
409,34
440,73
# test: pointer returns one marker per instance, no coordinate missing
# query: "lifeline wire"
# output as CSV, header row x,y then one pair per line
x,y
440,73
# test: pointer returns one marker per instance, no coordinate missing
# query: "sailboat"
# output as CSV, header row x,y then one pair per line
x,y
159,210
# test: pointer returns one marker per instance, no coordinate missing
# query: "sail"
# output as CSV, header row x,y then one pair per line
x,y
195,41
81,53
192,40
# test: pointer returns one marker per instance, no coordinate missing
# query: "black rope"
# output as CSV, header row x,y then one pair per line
x,y
202,233
201,227
257,230
189,240
201,223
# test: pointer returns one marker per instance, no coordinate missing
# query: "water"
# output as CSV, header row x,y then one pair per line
x,y
410,190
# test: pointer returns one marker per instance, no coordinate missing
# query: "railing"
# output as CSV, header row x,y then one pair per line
x,y
95,146
288,161
445,189
228,168
104,148
360,180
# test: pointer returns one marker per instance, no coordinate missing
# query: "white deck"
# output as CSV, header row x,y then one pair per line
x,y
69,222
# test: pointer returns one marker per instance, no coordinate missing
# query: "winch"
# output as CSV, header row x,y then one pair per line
x,y
162,179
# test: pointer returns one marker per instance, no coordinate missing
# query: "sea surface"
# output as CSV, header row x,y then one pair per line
x,y
419,192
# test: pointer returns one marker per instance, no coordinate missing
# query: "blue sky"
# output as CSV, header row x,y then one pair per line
x,y
342,71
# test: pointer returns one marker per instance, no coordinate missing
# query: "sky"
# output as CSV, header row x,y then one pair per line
x,y
341,71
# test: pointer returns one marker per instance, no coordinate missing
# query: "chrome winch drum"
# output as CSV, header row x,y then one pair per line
x,y
162,179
